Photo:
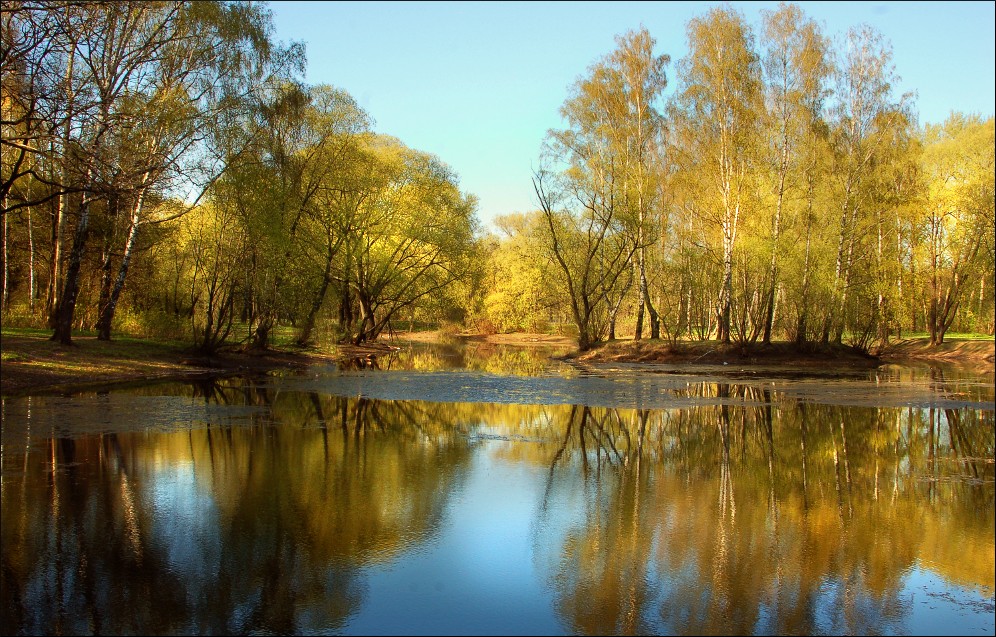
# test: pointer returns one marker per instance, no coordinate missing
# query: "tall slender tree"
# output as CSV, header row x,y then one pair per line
x,y
717,137
864,111
796,71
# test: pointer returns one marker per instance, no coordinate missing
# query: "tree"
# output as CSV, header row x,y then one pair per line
x,y
519,293
413,240
717,133
587,244
863,116
114,44
958,215
217,244
796,70
351,179
37,93
634,76
130,70
33,102
293,193
217,51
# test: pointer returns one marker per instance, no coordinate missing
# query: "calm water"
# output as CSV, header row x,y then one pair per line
x,y
489,490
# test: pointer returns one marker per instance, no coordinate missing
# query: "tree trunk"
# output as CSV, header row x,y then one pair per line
x,y
800,333
725,300
934,291
31,266
316,305
655,319
769,317
346,308
55,283
65,309
107,262
5,293
107,310
367,323
584,340
261,335
105,282
55,272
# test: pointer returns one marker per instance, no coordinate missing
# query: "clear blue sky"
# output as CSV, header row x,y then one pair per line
x,y
480,83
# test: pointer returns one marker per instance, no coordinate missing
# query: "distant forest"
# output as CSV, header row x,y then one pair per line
x,y
166,172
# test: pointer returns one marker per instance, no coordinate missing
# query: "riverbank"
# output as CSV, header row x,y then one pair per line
x,y
970,352
714,353
30,363
956,351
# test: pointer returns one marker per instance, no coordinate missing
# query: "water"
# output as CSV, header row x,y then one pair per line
x,y
491,490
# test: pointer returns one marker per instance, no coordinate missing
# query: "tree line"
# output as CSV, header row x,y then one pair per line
x,y
782,190
179,138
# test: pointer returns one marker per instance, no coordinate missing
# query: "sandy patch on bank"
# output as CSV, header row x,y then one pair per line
x,y
515,338
950,351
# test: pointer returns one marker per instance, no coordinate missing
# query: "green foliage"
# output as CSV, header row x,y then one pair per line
x,y
519,294
782,191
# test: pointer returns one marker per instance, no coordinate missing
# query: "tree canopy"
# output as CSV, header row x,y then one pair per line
x,y
166,171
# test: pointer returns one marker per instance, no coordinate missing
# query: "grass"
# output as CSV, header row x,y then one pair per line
x,y
950,336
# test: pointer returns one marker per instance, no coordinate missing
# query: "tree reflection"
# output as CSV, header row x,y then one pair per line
x,y
754,513
750,512
261,527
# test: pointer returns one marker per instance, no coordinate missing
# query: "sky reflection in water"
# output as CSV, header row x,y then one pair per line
x,y
295,505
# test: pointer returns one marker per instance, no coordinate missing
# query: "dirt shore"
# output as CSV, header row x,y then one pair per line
x,y
33,364
713,353
963,351
970,352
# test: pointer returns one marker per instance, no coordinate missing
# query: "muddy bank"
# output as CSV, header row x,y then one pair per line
x,y
713,353
967,352
33,364
524,339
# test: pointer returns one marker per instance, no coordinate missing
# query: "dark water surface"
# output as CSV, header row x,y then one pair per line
x,y
490,490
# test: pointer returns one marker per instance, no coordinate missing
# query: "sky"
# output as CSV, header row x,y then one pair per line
x,y
480,83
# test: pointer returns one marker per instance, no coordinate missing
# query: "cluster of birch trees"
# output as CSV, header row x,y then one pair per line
x,y
172,145
782,190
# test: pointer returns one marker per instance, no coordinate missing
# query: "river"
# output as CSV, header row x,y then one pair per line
x,y
473,489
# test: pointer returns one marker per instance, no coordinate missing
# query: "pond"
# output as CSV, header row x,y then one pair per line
x,y
477,489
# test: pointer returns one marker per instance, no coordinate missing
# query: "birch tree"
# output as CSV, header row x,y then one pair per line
x,y
863,110
796,71
717,137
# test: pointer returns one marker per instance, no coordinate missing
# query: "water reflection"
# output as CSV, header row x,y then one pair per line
x,y
285,511
766,519
219,530
460,353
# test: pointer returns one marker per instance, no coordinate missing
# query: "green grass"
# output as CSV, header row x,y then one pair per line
x,y
25,331
116,339
951,336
